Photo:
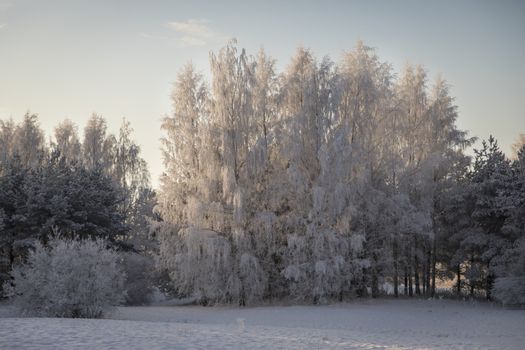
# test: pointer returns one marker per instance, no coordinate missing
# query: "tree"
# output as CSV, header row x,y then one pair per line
x,y
481,216
131,173
184,210
7,135
446,162
67,141
98,147
264,97
509,286
28,141
517,146
181,145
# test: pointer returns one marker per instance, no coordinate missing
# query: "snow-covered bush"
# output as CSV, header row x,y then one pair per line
x,y
510,290
68,278
253,279
139,271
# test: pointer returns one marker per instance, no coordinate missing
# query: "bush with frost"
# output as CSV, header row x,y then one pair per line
x,y
68,278
510,290
139,271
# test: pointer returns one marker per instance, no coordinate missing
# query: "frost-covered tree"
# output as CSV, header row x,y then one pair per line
x,y
181,145
7,135
364,110
489,182
98,147
130,171
188,193
29,143
300,134
517,146
475,218
68,197
446,163
509,264
412,107
43,189
264,97
67,141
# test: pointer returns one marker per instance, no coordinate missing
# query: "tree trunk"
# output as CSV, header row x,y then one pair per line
x,y
471,282
424,276
375,286
429,271
458,285
434,249
396,272
410,288
416,269
490,283
406,281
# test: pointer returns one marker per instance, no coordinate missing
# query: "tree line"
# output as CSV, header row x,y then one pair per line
x,y
95,188
327,181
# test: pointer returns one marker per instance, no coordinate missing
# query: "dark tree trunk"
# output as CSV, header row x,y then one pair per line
x,y
424,276
458,285
374,278
416,269
434,249
490,283
471,282
375,284
406,281
428,271
396,271
410,288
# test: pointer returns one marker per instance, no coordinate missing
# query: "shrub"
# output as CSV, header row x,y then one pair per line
x,y
510,290
68,278
139,285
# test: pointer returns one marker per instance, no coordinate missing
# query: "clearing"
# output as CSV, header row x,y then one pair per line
x,y
366,324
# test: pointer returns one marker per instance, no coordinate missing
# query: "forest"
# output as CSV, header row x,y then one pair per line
x,y
326,182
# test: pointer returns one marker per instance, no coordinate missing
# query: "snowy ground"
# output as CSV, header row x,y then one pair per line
x,y
377,324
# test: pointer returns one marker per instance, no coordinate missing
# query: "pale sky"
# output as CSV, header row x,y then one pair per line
x,y
68,59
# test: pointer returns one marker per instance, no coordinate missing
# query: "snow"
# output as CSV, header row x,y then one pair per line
x,y
370,324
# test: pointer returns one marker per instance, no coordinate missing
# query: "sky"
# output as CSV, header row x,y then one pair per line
x,y
69,59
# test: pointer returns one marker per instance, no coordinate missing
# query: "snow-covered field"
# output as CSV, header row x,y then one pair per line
x,y
371,324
